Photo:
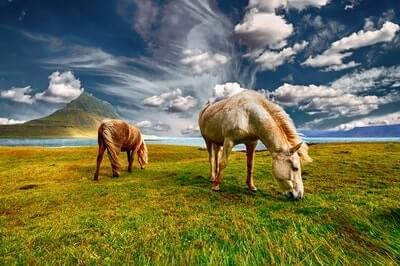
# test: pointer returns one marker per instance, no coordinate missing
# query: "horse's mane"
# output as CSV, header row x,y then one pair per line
x,y
287,128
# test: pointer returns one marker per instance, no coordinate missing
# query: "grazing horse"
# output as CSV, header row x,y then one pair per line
x,y
247,117
115,136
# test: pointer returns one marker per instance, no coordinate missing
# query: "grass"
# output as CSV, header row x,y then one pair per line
x,y
51,212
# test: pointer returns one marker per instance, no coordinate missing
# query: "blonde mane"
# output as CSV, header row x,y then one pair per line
x,y
287,128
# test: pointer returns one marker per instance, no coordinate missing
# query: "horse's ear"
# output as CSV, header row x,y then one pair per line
x,y
295,148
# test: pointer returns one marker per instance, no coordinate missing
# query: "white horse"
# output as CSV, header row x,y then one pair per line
x,y
247,117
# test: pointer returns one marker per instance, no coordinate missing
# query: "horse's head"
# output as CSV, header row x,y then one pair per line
x,y
142,154
286,168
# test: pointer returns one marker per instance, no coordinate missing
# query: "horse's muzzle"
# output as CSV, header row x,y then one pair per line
x,y
292,196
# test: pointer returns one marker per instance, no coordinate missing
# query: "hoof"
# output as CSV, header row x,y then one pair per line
x,y
215,188
212,179
253,189
115,174
129,170
95,179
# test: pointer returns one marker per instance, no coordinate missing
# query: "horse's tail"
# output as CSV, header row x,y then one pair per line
x,y
105,134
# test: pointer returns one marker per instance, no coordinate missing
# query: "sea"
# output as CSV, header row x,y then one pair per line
x,y
185,141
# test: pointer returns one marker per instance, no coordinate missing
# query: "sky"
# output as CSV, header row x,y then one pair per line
x,y
331,64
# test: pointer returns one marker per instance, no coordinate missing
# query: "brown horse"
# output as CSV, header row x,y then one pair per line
x,y
116,136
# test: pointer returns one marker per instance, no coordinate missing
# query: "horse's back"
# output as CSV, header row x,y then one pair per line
x,y
236,116
118,129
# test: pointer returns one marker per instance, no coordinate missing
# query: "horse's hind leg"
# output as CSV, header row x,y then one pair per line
x,y
211,160
100,154
130,159
250,150
226,150
216,155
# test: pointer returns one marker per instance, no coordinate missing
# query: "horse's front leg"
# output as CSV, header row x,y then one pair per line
x,y
226,150
250,151
130,159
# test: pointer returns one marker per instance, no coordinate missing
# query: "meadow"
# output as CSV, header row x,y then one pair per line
x,y
52,212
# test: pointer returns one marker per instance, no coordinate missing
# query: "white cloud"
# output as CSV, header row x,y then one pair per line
x,y
302,4
366,38
346,7
52,41
260,30
270,60
191,130
182,104
368,80
271,5
172,101
203,62
396,85
336,53
387,119
82,57
148,126
20,95
222,91
340,67
159,100
325,99
10,121
143,124
346,96
63,88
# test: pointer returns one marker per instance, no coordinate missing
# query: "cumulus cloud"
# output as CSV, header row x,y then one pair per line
x,y
346,96
203,62
10,121
261,29
159,100
387,119
149,126
325,99
172,101
20,95
333,57
222,91
271,5
303,4
63,88
182,104
191,130
342,66
368,80
270,60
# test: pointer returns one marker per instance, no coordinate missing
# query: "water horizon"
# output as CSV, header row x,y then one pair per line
x,y
182,141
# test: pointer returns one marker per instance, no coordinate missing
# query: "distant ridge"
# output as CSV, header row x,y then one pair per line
x,y
382,131
79,118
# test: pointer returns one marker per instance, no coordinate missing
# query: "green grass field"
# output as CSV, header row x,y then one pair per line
x,y
51,212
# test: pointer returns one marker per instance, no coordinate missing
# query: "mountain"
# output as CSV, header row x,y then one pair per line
x,y
79,118
384,131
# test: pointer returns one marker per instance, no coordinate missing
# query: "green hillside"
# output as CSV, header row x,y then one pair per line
x,y
79,118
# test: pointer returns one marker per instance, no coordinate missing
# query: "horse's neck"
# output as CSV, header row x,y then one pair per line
x,y
273,138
